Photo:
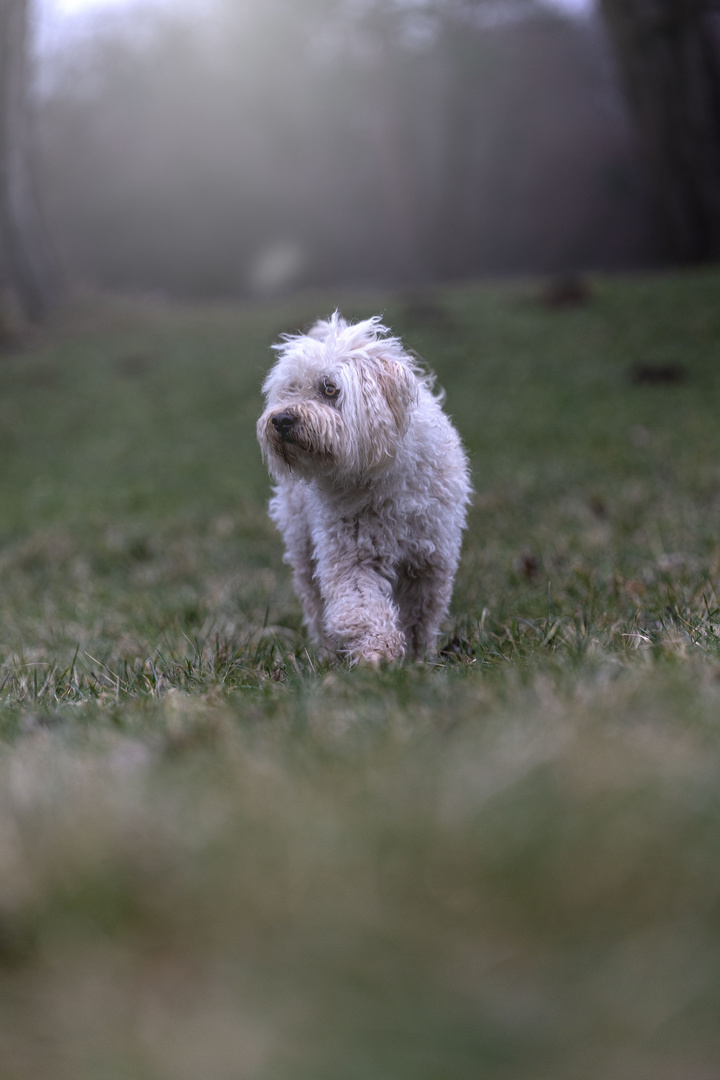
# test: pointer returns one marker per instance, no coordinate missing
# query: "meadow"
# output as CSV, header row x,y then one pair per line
x,y
222,856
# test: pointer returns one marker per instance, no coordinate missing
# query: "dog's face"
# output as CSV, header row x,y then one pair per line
x,y
338,402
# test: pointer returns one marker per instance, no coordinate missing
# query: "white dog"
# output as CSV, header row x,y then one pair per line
x,y
372,488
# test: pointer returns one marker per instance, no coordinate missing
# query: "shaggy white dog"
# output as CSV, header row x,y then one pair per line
x,y
372,488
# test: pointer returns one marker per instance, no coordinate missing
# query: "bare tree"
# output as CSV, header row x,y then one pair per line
x,y
26,263
669,57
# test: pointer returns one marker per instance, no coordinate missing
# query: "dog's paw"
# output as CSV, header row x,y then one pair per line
x,y
371,659
379,651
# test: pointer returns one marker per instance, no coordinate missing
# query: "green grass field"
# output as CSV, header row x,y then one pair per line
x,y
222,858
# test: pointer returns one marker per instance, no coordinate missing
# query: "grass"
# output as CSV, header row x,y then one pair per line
x,y
223,857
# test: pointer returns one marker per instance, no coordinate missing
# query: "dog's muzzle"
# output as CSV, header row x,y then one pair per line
x,y
284,422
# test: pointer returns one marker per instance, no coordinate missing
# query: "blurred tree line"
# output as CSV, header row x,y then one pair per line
x,y
230,148
669,54
237,148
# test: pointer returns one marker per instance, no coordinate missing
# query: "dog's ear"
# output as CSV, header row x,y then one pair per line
x,y
398,385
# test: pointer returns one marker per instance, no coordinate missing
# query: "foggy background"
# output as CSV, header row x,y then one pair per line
x,y
246,147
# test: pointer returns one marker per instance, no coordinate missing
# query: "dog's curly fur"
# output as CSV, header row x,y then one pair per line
x,y
372,487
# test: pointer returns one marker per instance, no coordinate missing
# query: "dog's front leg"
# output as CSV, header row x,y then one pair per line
x,y
361,617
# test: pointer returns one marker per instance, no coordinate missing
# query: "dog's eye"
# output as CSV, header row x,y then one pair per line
x,y
329,389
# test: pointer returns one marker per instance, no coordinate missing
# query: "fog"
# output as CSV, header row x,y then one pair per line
x,y
245,149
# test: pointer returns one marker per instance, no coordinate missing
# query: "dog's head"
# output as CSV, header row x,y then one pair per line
x,y
339,401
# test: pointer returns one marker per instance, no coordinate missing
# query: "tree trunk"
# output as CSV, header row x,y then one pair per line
x,y
26,261
455,245
669,57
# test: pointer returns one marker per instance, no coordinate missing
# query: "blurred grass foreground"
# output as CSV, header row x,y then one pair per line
x,y
223,858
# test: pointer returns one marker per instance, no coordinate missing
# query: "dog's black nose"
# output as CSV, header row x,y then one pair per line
x,y
283,422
